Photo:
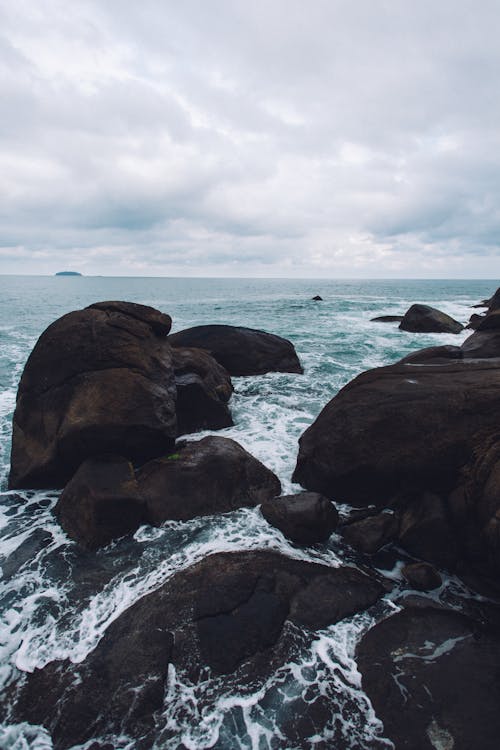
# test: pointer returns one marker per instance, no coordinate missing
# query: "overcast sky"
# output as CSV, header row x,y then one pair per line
x,y
250,138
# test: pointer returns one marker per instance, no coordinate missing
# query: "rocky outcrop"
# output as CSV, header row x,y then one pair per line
x,y
317,298
203,390
432,677
422,576
99,380
425,319
305,518
212,475
370,534
241,351
101,502
425,530
228,612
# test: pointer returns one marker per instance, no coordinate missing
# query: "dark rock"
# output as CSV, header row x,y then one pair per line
x,y
203,389
494,302
482,345
226,612
317,298
433,355
387,319
399,426
433,680
306,518
425,531
101,502
422,576
474,321
27,551
372,533
212,475
242,351
99,380
490,322
425,319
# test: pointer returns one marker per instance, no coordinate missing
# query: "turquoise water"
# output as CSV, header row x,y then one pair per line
x,y
55,606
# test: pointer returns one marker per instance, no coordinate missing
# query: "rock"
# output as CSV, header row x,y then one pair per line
x,y
474,321
399,426
425,319
433,680
422,576
227,612
27,552
305,518
372,533
483,344
387,319
99,380
490,322
425,531
101,502
494,302
242,351
317,298
434,354
203,390
212,475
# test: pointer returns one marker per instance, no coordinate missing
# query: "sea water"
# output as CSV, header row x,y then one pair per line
x,y
57,600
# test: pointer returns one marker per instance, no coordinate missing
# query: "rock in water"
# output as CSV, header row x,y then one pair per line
x,y
101,502
387,319
317,298
226,612
203,390
432,677
305,518
212,475
99,380
425,319
399,427
242,351
370,534
422,576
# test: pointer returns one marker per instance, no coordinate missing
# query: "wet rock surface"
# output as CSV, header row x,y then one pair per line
x,y
422,576
212,475
98,380
387,319
432,677
227,612
305,518
101,502
241,351
368,535
426,319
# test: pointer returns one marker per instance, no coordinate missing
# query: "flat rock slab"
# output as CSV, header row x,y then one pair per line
x,y
432,677
227,612
242,351
211,475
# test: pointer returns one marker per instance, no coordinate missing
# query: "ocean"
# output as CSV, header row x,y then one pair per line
x,y
57,600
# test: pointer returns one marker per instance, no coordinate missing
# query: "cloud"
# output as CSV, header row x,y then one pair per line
x,y
267,138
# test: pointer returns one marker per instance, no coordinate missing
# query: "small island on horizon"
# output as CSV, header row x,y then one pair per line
x,y
68,273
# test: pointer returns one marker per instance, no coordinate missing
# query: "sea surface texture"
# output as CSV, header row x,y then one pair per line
x,y
56,600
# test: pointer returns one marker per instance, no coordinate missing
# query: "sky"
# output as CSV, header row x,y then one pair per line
x,y
292,138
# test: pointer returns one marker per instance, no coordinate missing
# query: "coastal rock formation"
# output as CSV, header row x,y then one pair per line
x,y
387,319
241,351
432,677
422,576
305,518
370,534
99,380
227,612
203,391
101,502
212,475
426,319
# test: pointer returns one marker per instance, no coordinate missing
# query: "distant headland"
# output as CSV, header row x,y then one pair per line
x,y
68,273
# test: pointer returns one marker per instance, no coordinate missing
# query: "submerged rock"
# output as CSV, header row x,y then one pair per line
x,y
227,612
203,390
212,475
101,502
425,319
432,677
242,351
387,319
317,298
99,380
305,518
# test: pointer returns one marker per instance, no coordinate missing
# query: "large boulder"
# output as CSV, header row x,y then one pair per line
x,y
101,502
370,534
432,678
227,613
426,319
212,475
203,390
242,351
405,425
305,518
99,380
